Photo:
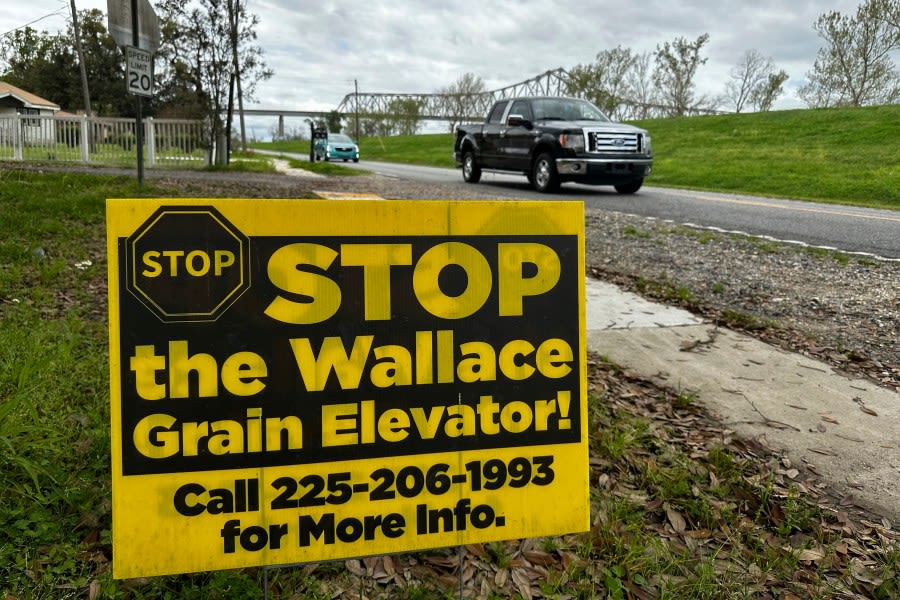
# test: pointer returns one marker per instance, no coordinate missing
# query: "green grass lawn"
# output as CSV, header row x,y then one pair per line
x,y
847,156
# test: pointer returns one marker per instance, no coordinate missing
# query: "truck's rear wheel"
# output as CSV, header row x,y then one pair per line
x,y
544,176
470,169
630,187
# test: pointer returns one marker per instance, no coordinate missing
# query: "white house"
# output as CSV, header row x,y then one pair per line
x,y
32,114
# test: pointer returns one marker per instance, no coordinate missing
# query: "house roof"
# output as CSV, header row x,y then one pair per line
x,y
27,99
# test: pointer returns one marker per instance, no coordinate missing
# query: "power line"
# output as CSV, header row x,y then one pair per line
x,y
58,12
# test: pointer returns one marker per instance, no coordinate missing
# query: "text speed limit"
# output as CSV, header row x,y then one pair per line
x,y
139,71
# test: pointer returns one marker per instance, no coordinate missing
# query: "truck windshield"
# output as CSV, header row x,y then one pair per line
x,y
566,109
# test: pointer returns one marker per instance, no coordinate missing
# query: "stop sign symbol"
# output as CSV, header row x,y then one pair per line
x,y
188,264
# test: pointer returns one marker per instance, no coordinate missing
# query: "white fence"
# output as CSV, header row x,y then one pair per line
x,y
167,142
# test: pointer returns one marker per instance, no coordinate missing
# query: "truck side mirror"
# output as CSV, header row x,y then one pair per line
x,y
518,121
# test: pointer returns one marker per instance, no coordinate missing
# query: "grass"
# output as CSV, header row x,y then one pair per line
x,y
846,156
330,169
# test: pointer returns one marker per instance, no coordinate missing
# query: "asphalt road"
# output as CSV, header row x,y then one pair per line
x,y
845,228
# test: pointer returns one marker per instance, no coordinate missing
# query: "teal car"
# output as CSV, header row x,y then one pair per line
x,y
337,147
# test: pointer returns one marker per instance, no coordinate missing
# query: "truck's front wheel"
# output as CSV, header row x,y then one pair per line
x,y
630,187
470,169
543,174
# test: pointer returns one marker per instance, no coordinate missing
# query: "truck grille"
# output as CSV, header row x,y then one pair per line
x,y
615,142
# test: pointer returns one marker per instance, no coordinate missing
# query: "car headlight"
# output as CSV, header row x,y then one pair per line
x,y
572,141
646,146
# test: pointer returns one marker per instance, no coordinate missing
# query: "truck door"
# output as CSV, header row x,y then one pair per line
x,y
491,157
517,139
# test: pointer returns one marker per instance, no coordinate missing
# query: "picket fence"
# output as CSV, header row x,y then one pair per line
x,y
103,141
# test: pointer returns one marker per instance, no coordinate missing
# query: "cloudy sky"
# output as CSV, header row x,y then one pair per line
x,y
318,49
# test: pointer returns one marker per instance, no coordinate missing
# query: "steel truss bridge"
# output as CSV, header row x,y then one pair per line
x,y
457,108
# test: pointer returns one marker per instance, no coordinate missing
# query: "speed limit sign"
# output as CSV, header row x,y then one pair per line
x,y
139,71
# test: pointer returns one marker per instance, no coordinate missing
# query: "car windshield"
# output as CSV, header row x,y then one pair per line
x,y
341,139
566,109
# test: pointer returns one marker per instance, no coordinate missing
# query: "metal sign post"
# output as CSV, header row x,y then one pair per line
x,y
135,27
139,124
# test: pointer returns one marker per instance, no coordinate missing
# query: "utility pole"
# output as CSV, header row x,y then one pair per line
x,y
237,69
356,95
84,81
139,123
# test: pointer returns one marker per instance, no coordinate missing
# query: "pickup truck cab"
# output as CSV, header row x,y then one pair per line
x,y
552,140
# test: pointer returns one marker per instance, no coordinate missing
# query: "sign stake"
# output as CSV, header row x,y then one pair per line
x,y
139,124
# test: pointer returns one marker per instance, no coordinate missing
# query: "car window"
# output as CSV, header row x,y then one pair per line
x,y
565,109
548,109
522,107
496,115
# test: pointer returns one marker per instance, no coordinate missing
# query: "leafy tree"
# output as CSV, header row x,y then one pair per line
x,y
855,67
42,64
334,121
196,48
463,99
764,95
755,82
195,45
676,66
46,64
105,65
605,82
404,116
368,124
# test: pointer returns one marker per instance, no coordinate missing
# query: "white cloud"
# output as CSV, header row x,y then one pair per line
x,y
318,48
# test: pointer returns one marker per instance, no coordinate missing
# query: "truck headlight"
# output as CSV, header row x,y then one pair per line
x,y
572,141
646,145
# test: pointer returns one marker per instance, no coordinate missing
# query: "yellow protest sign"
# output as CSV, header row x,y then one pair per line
x,y
299,380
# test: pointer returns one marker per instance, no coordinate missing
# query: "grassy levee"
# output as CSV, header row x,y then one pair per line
x,y
845,156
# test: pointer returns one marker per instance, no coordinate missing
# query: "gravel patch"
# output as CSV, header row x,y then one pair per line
x,y
840,308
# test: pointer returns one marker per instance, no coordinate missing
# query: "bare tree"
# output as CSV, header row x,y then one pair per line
x,y
640,82
754,82
855,68
676,66
751,71
462,99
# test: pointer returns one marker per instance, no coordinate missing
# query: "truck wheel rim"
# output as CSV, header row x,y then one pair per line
x,y
542,174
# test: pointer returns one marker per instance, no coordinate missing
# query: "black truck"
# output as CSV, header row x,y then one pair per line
x,y
552,140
